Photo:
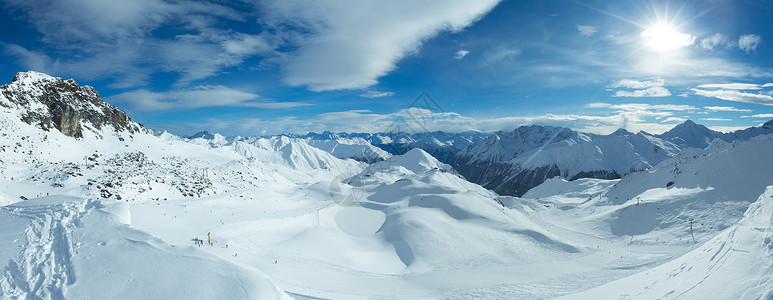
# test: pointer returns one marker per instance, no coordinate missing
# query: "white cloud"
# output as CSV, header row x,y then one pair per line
x,y
368,121
767,85
733,95
649,92
636,84
346,50
586,31
759,116
732,86
716,119
749,42
499,55
376,94
642,106
674,119
109,39
461,54
201,96
726,108
712,41
647,88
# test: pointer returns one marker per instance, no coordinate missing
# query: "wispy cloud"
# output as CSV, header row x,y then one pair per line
x,y
749,42
376,94
642,106
647,88
716,119
726,108
201,96
732,86
759,116
586,31
710,42
673,119
461,54
734,95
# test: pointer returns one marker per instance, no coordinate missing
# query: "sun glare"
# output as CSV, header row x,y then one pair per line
x,y
663,37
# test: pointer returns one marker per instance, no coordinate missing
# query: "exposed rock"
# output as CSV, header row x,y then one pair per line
x,y
51,102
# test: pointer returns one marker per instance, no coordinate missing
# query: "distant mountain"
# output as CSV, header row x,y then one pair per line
x,y
439,144
514,162
750,132
689,134
692,135
202,134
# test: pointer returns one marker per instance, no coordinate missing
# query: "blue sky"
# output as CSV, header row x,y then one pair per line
x,y
267,67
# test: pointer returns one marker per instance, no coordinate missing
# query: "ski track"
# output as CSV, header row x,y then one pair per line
x,y
43,269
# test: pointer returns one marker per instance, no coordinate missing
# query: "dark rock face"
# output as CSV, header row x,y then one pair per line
x,y
51,102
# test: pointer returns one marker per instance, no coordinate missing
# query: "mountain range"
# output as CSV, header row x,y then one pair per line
x,y
94,205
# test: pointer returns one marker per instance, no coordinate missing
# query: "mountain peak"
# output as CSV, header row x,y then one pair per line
x,y
51,102
202,134
32,77
417,160
690,134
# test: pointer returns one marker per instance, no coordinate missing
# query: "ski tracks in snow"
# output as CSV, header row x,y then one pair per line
x,y
43,268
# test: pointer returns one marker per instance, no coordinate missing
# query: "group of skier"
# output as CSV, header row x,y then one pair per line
x,y
200,242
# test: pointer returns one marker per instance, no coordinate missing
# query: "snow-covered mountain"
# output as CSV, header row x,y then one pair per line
x,y
691,135
53,103
512,163
441,145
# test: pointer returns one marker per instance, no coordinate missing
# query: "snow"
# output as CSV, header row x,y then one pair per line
x,y
736,264
75,248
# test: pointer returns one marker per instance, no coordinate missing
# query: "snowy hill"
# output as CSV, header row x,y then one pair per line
x,y
512,163
71,248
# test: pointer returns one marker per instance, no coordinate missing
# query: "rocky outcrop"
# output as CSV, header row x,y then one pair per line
x,y
51,102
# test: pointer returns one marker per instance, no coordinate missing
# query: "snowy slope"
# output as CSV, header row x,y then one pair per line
x,y
736,264
72,248
713,187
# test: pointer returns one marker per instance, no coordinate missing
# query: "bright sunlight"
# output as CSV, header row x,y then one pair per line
x,y
663,37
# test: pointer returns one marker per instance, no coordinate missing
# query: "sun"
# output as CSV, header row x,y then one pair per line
x,y
663,37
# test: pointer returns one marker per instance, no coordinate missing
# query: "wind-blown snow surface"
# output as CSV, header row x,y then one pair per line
x,y
736,264
76,248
